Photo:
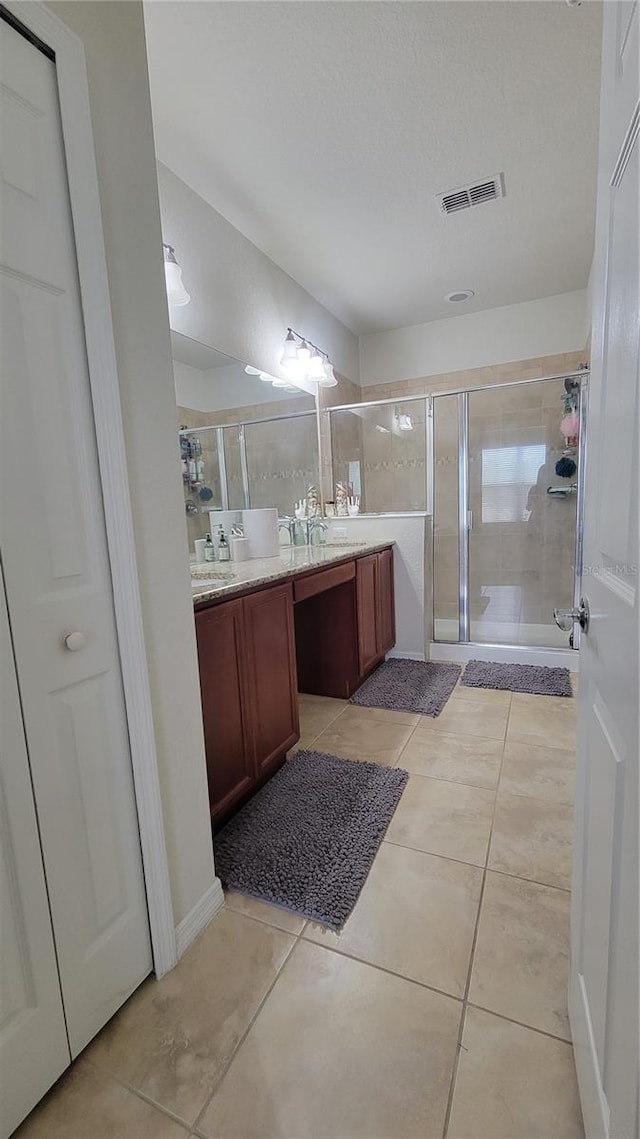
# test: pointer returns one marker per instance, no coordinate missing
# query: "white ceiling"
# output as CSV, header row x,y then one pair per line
x,y
323,130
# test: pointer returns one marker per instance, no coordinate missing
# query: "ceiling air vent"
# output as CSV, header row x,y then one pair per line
x,y
472,195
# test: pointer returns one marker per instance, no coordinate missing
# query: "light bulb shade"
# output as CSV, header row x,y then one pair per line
x,y
304,352
316,368
177,295
251,371
290,350
329,380
266,378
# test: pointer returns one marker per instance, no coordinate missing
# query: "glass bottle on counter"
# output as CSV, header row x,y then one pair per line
x,y
209,550
223,547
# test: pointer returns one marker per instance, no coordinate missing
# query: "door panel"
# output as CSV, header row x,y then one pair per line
x,y
227,734
386,602
33,1042
367,590
57,568
603,999
272,677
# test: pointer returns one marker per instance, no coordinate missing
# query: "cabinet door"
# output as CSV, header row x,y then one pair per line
x,y
386,603
272,690
367,590
228,744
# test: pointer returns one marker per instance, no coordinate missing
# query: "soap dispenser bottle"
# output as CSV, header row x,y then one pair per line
x,y
209,550
223,547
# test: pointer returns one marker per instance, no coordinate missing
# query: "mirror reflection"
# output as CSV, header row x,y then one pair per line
x,y
243,442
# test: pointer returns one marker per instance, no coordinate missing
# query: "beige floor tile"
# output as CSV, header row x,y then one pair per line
x,y
88,1104
462,759
316,713
340,1049
353,712
513,1083
263,911
415,916
174,1037
449,819
532,839
462,716
541,772
521,960
494,697
546,721
361,736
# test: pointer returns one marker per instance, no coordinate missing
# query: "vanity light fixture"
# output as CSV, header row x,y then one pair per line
x,y
403,421
303,360
177,295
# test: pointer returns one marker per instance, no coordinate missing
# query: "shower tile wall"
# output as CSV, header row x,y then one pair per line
x,y
522,543
390,462
282,459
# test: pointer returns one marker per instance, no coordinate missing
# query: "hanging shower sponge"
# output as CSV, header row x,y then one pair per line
x,y
565,467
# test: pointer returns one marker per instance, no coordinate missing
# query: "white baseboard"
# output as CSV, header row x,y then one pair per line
x,y
199,917
506,654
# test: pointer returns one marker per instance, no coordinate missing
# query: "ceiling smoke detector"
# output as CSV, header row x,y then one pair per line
x,y
474,194
459,295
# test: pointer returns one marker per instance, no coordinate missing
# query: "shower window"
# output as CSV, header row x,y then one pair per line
x,y
508,473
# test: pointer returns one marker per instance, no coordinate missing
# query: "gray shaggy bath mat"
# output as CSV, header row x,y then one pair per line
x,y
533,678
409,686
307,840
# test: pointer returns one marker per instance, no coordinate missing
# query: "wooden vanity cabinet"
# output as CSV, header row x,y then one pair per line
x,y
247,648
246,653
376,609
367,590
271,673
386,626
228,736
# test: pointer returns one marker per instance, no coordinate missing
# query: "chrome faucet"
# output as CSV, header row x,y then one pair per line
x,y
288,524
313,525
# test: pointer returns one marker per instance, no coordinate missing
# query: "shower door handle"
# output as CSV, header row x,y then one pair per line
x,y
565,618
469,519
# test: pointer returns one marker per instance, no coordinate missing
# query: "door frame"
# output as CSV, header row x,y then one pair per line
x,y
75,113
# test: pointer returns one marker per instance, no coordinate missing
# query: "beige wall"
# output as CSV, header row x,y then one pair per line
x,y
114,42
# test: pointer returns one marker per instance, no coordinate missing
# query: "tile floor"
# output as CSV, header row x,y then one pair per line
x,y
439,1010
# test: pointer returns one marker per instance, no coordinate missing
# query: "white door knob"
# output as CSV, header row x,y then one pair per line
x,y
75,641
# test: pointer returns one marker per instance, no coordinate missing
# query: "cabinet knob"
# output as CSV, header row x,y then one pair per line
x,y
74,641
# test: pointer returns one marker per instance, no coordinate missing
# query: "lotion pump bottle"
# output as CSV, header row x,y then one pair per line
x,y
209,550
223,546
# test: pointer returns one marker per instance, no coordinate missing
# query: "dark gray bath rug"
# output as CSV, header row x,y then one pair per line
x,y
307,840
409,686
536,679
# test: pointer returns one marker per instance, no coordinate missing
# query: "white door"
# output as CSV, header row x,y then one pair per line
x,y
33,1040
604,964
56,567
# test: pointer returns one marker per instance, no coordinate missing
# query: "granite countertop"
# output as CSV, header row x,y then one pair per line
x,y
216,580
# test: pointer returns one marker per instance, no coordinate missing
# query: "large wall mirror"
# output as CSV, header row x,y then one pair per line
x,y
243,442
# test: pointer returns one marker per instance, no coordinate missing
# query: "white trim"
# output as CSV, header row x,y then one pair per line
x,y
505,654
394,655
77,132
199,916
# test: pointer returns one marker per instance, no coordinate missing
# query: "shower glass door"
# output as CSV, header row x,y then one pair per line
x,y
521,538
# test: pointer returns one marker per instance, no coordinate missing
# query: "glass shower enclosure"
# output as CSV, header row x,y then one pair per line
x,y
508,470
498,471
